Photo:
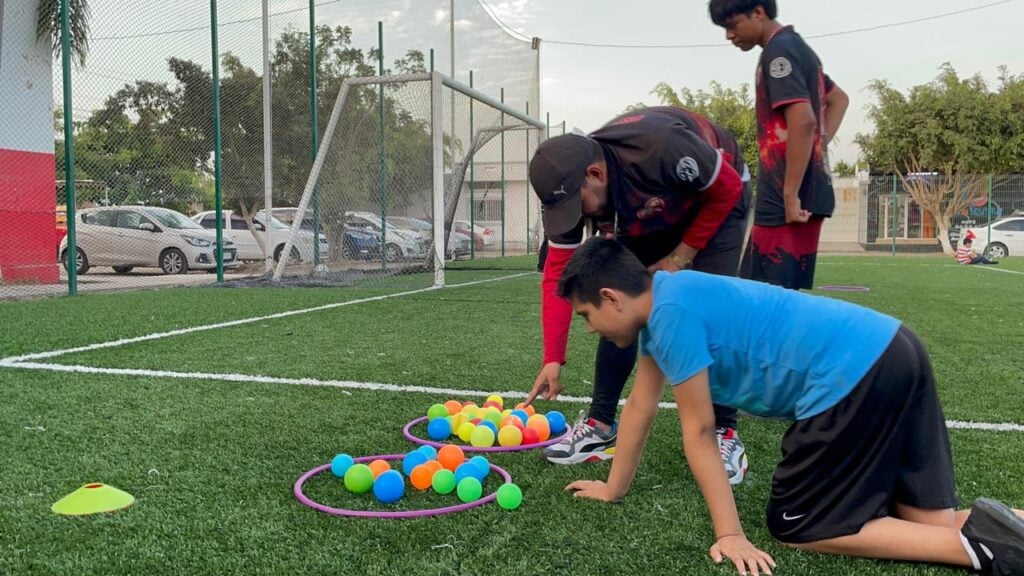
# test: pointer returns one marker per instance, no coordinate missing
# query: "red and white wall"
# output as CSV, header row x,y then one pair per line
x,y
28,251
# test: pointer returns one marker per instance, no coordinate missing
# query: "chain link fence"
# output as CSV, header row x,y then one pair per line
x,y
144,137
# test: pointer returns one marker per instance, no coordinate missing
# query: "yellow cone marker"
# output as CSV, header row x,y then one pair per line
x,y
91,499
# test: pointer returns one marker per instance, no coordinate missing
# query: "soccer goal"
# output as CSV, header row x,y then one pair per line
x,y
413,171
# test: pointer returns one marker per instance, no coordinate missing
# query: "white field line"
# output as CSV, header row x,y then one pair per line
x,y
395,388
998,269
158,335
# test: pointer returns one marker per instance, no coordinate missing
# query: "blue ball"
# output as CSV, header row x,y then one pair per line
x,y
411,461
340,464
522,415
389,486
429,451
439,429
556,421
482,465
466,470
492,426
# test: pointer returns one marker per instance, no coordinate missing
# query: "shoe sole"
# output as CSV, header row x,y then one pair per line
x,y
583,457
1001,513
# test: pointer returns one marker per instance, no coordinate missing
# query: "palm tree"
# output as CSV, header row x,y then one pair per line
x,y
48,26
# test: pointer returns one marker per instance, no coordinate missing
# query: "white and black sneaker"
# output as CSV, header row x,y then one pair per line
x,y
994,538
587,443
734,454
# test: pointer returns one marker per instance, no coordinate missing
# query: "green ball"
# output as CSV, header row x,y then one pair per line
x,y
510,496
437,411
469,489
359,479
444,481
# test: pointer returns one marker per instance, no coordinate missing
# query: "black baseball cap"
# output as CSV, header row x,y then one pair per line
x,y
557,171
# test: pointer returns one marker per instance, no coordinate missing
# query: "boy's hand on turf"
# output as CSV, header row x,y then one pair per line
x,y
546,383
747,557
592,489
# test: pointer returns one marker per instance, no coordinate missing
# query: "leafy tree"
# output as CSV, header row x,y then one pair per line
x,y
844,169
48,27
941,135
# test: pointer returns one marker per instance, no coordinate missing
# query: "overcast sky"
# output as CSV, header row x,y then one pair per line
x,y
587,86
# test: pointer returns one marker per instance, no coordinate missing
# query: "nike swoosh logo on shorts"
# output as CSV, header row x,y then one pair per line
x,y
786,516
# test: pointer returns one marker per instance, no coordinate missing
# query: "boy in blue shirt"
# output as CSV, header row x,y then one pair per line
x,y
866,467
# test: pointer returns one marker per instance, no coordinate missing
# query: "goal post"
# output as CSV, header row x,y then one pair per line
x,y
390,173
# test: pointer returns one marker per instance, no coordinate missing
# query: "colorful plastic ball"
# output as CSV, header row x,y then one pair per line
x,y
482,466
389,487
469,489
476,421
506,412
340,464
490,404
436,411
453,406
412,460
510,420
510,496
443,481
510,436
451,456
522,415
482,437
497,399
530,436
528,409
429,451
491,425
359,479
540,424
469,407
421,477
458,420
467,470
556,421
434,465
379,467
494,418
466,431
440,429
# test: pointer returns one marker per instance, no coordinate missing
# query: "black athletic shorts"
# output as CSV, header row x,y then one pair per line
x,y
885,443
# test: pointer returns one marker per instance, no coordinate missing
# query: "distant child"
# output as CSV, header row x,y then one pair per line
x,y
965,255
866,467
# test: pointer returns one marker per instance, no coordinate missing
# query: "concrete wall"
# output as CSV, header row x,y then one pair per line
x,y
27,196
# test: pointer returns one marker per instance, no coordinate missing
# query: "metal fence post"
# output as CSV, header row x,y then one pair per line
x,y
69,151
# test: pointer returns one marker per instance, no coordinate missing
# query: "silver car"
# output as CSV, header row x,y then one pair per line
x,y
127,237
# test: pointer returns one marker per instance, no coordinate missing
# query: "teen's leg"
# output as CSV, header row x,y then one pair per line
x,y
611,370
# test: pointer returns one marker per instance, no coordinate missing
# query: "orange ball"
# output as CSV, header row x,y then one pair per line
x,y
511,421
450,456
453,406
433,465
540,424
528,409
422,476
379,467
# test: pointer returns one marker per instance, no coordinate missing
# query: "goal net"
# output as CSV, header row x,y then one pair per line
x,y
414,173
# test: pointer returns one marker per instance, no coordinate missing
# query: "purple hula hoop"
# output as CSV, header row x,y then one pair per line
x,y
549,442
297,490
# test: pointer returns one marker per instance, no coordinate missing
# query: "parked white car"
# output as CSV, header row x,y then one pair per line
x,y
1007,238
127,237
399,243
249,248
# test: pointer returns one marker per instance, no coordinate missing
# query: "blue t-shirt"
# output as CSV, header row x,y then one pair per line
x,y
769,351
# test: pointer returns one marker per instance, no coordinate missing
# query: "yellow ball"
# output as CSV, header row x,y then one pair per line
x,y
481,437
496,398
506,412
510,436
458,420
466,431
